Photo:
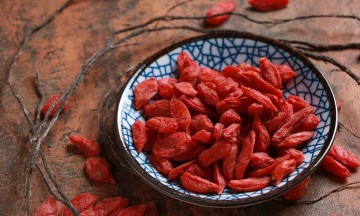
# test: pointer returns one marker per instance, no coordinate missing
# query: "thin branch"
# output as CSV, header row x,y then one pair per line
x,y
22,107
352,185
332,61
41,95
321,47
48,186
168,18
341,125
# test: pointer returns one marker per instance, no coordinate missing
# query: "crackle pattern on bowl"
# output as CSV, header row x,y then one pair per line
x,y
218,53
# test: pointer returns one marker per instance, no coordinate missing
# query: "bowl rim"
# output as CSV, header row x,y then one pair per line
x,y
247,201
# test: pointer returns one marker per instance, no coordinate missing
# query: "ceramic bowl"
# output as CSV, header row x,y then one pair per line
x,y
217,51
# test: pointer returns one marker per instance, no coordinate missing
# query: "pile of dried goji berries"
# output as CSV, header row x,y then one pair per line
x,y
86,204
234,128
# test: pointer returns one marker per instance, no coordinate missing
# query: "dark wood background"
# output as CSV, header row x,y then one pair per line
x,y
59,50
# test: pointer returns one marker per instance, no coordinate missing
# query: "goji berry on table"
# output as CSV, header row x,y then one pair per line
x,y
81,202
268,5
260,160
159,108
107,206
98,169
219,8
135,210
249,184
244,157
144,91
333,166
50,206
89,147
298,191
162,124
343,156
197,184
139,135
283,169
50,102
270,72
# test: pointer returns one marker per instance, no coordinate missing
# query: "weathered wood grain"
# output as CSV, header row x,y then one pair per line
x,y
59,50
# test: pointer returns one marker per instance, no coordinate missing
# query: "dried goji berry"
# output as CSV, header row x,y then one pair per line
x,y
235,94
197,105
267,170
192,151
295,154
203,172
201,122
273,99
218,131
268,5
229,117
283,169
151,139
203,137
216,152
166,87
219,8
231,71
170,145
333,166
285,72
297,119
219,178
262,141
208,95
89,147
262,99
227,86
197,184
249,184
260,160
180,112
81,202
211,76
48,103
310,124
162,124
270,72
159,108
99,170
184,61
244,157
229,163
139,135
107,206
246,67
295,140
186,89
297,102
256,109
179,170
298,191
50,206
144,91
232,131
162,164
135,210
229,103
343,156
190,73
285,112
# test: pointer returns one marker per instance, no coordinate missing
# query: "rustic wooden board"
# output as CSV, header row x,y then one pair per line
x,y
59,50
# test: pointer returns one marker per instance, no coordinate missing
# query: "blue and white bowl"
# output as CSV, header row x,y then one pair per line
x,y
217,51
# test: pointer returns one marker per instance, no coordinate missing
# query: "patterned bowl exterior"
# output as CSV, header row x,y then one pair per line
x,y
218,51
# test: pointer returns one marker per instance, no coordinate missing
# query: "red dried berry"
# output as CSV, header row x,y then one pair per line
x,y
166,87
268,5
249,184
298,191
51,206
144,91
99,170
162,124
81,202
139,135
89,147
50,102
159,108
229,117
220,8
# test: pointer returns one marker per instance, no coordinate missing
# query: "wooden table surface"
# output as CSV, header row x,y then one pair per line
x,y
59,49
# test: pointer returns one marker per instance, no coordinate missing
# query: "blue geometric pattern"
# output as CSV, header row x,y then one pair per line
x,y
218,53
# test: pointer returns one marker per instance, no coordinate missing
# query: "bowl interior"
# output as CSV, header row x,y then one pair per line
x,y
217,52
